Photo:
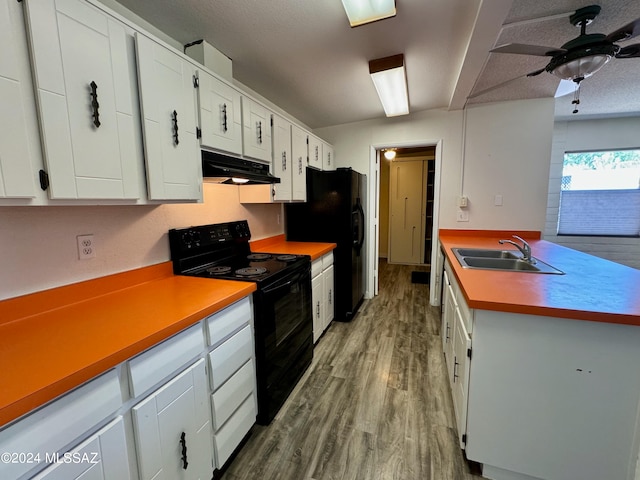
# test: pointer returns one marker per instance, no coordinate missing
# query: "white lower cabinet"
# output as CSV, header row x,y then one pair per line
x,y
173,430
456,345
322,294
102,456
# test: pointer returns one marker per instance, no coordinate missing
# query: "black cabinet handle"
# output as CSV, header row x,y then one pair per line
x,y
299,165
183,445
259,130
174,119
94,103
455,369
224,118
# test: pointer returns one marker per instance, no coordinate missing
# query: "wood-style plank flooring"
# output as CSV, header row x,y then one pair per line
x,y
374,405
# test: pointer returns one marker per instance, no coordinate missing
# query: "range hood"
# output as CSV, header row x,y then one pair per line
x,y
218,168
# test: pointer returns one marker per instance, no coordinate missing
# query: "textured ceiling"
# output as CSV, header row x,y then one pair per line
x,y
303,56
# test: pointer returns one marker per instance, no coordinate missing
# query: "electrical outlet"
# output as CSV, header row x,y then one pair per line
x,y
86,247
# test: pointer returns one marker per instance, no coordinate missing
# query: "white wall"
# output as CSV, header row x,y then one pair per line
x,y
38,244
603,134
506,152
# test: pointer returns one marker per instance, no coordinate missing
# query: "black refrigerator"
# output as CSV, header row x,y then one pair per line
x,y
333,213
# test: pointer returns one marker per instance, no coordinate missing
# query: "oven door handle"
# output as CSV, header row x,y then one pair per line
x,y
277,287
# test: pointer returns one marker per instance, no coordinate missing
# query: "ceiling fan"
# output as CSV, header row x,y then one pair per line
x,y
578,58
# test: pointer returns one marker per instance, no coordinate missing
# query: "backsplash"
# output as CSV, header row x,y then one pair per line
x,y
39,249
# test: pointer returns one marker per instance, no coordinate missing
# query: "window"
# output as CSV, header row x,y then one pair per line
x,y
600,194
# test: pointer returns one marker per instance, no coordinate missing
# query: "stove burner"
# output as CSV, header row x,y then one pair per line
x,y
259,256
286,258
221,270
251,271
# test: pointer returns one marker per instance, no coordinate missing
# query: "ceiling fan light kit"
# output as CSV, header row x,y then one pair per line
x,y
361,12
581,57
390,79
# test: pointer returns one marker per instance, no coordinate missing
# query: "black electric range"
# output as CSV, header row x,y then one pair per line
x,y
283,324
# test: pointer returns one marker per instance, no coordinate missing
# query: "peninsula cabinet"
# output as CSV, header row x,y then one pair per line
x,y
220,114
17,178
84,74
541,397
168,99
256,130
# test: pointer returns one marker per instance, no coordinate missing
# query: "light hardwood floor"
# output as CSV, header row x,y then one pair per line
x,y
374,405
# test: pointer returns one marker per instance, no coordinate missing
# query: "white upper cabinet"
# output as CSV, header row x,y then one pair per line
x,y
299,153
256,121
16,172
85,81
167,94
281,166
220,115
315,152
328,160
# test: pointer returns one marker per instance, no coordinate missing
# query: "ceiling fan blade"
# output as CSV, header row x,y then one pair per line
x,y
522,49
504,84
625,33
630,51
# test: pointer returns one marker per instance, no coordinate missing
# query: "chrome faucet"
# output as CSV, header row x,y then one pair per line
x,y
525,249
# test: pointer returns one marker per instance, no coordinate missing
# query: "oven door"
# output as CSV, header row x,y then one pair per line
x,y
284,338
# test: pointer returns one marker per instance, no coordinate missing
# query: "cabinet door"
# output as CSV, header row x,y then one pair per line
x,y
85,82
328,160
173,429
317,298
101,457
329,284
220,115
448,319
315,152
256,130
460,381
300,154
167,94
281,166
16,173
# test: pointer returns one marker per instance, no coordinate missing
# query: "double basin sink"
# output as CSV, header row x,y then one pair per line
x,y
504,260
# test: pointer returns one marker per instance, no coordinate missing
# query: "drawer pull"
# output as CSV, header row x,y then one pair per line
x,y
183,445
174,118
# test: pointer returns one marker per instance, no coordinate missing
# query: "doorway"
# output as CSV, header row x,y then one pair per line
x,y
407,192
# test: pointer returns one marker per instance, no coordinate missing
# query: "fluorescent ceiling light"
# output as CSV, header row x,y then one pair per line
x,y
366,11
389,77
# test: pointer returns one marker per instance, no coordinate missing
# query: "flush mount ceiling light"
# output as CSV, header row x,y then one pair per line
x,y
390,154
366,11
390,79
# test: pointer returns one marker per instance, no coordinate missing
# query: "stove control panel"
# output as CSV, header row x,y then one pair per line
x,y
203,236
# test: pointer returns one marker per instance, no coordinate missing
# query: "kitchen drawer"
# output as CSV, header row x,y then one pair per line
x,y
231,434
223,324
316,268
154,365
226,359
327,260
465,311
59,423
227,398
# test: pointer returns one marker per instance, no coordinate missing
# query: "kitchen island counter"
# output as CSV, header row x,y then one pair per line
x,y
590,289
55,340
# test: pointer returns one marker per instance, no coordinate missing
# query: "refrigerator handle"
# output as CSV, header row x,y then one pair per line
x,y
358,234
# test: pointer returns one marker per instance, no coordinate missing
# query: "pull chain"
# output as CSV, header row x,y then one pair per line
x,y
576,96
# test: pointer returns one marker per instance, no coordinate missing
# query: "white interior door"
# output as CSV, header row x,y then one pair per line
x,y
406,212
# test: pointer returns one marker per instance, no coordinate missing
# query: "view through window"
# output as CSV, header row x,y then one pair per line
x,y
600,194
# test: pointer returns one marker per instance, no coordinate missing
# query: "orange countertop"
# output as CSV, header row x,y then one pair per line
x,y
591,288
279,244
55,340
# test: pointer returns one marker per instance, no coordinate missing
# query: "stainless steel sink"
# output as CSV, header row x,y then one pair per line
x,y
484,253
504,260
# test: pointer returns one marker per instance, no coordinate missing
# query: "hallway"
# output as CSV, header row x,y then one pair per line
x,y
374,405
